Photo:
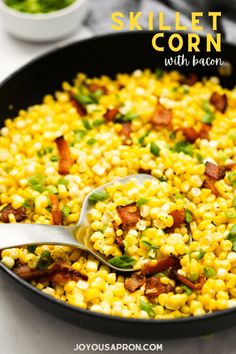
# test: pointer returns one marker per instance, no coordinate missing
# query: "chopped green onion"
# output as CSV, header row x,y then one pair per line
x,y
86,124
193,276
209,272
141,140
63,181
44,151
28,203
232,178
52,189
206,107
98,122
147,307
85,97
208,118
37,182
184,146
172,135
188,216
31,248
154,149
199,254
122,261
141,201
129,117
234,202
232,237
44,260
178,196
149,245
159,73
80,134
186,289
54,158
91,141
65,210
199,157
98,196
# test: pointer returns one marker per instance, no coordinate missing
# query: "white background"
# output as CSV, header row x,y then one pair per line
x,y
25,329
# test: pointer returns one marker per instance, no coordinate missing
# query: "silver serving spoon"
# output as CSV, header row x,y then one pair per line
x,y
15,235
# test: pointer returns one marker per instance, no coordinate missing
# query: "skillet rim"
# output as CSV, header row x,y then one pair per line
x,y
92,314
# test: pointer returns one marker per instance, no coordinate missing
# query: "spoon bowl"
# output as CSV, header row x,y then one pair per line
x,y
16,235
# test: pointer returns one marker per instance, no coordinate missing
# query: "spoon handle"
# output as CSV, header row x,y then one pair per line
x,y
15,235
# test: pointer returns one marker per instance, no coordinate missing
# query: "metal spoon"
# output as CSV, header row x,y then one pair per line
x,y
15,235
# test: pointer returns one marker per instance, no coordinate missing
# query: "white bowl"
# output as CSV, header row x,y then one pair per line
x,y
44,27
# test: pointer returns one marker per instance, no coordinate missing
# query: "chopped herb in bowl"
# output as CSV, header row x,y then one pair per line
x,y
38,6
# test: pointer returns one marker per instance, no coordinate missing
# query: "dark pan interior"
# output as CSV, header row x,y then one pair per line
x,y
106,55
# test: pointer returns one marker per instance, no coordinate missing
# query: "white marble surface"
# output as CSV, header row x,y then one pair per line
x,y
25,329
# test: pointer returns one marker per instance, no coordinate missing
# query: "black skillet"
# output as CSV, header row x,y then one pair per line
x,y
108,55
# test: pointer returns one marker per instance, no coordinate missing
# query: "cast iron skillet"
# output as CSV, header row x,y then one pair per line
x,y
109,55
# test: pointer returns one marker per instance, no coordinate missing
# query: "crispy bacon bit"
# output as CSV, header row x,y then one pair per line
x,y
79,108
190,284
156,266
190,134
111,114
209,183
125,132
231,166
129,215
179,219
57,216
58,272
20,213
135,282
65,161
214,171
95,87
119,239
189,80
204,131
162,117
142,170
154,288
220,102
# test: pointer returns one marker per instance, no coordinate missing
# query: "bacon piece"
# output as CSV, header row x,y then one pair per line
x,y
111,114
220,102
57,216
189,80
57,272
135,282
156,266
142,170
190,284
129,215
65,161
95,87
179,219
209,183
231,166
204,131
154,288
79,108
162,117
214,171
125,132
190,134
20,213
